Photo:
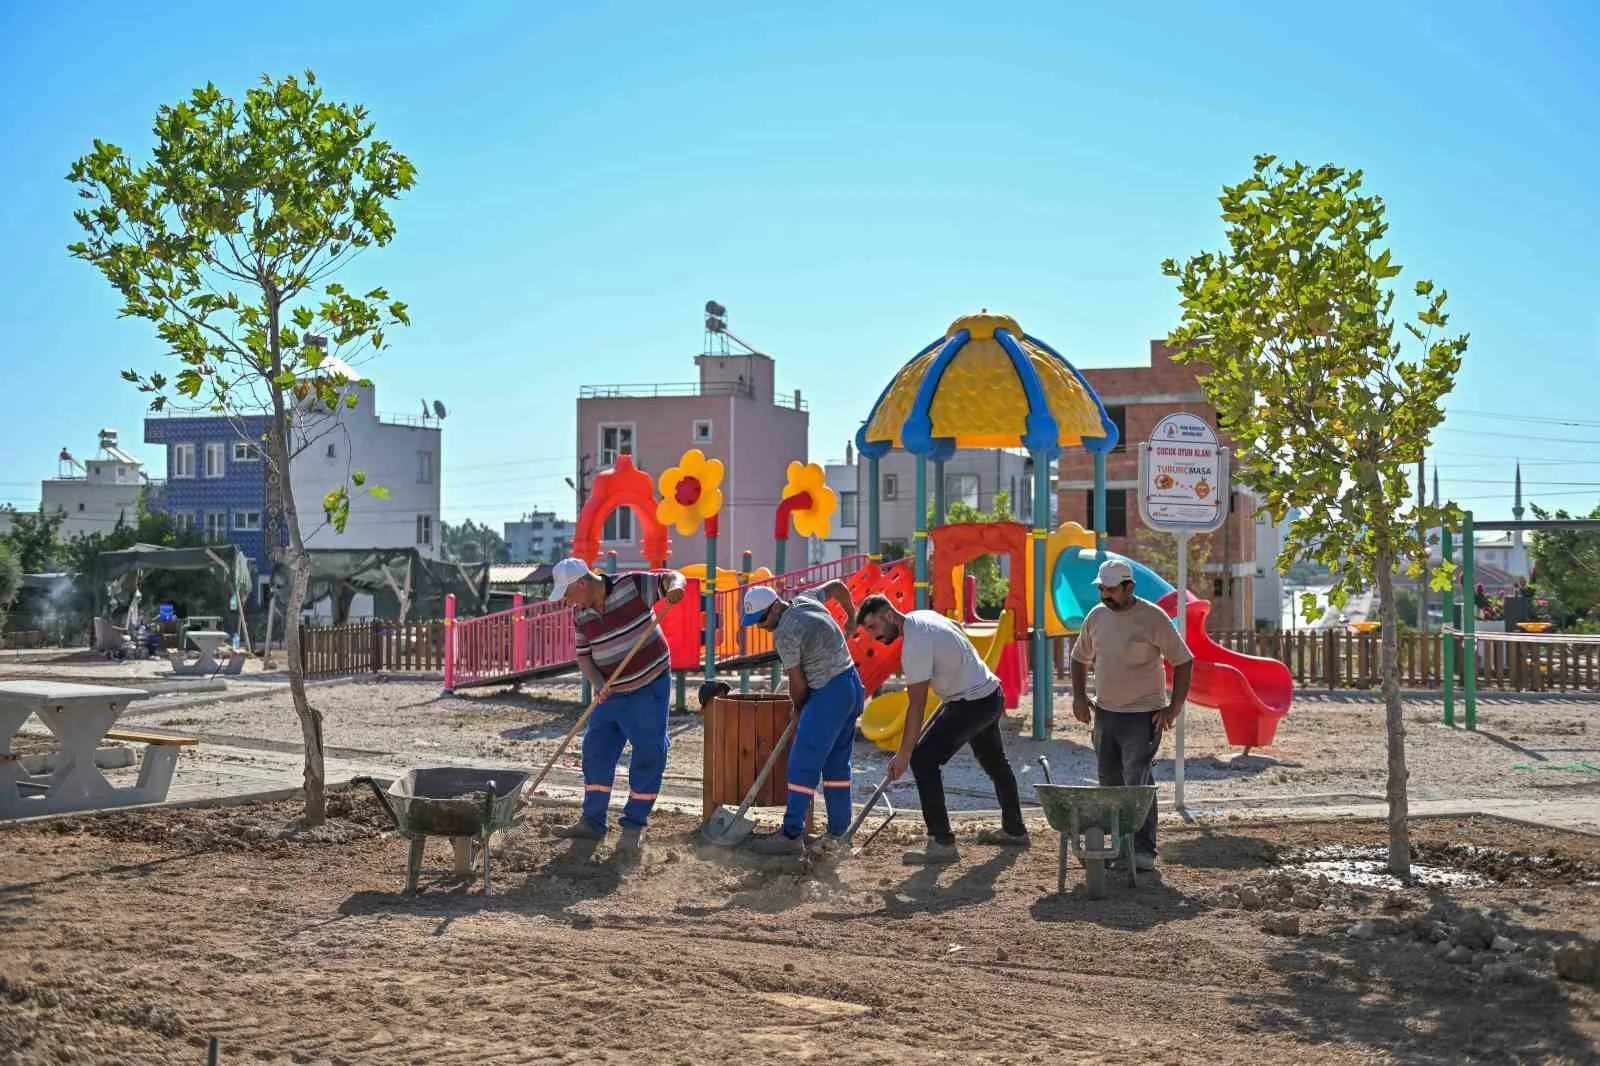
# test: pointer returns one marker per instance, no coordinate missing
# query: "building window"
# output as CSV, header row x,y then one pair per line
x,y
245,452
216,525
424,468
1116,511
425,529
216,453
618,525
333,452
247,521
891,487
962,488
181,463
183,521
701,433
1119,418
614,441
849,505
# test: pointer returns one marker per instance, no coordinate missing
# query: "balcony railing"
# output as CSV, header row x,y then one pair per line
x,y
792,401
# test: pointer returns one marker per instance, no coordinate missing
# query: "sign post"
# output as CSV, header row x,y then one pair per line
x,y
1183,489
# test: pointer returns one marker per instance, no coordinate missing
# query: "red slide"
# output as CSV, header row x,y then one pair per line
x,y
875,661
1252,693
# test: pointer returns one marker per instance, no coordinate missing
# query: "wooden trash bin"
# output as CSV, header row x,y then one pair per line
x,y
741,729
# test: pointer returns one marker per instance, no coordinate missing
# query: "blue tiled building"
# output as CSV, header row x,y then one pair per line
x,y
216,481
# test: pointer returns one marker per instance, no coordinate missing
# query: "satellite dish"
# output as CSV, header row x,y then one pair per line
x,y
438,409
715,310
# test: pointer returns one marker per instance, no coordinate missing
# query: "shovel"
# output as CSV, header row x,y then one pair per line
x,y
730,829
879,793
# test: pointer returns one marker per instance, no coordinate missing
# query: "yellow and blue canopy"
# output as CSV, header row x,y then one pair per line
x,y
986,384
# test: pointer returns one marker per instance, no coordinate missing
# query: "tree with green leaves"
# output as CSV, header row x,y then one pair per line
x,y
1566,563
470,542
1292,330
10,581
35,540
227,240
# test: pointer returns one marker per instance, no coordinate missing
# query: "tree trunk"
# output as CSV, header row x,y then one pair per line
x,y
1394,718
278,446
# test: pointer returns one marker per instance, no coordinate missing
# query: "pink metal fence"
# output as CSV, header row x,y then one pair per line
x,y
540,637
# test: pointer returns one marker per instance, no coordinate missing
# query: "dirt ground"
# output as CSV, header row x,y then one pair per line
x,y
132,937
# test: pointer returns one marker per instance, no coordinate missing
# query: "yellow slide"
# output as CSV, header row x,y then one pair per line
x,y
885,717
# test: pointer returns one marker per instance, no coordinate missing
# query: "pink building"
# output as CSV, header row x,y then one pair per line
x,y
732,413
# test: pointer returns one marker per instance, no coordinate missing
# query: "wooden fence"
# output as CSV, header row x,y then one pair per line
x,y
1341,659
371,647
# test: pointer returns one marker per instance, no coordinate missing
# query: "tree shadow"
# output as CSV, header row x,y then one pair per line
x,y
1393,997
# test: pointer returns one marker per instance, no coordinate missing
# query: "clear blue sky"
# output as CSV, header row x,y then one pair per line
x,y
847,178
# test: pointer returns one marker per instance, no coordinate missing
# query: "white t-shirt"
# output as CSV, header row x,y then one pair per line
x,y
936,650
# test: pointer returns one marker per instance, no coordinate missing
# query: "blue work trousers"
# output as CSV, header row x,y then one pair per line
x,y
638,718
823,742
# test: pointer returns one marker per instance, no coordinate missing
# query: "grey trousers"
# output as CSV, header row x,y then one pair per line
x,y
1126,743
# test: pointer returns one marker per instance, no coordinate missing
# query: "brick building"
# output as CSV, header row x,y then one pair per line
x,y
1136,398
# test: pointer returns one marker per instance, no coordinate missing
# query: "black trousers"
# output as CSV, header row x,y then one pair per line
x,y
963,723
1125,744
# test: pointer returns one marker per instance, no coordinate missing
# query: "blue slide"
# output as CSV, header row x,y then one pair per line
x,y
1072,587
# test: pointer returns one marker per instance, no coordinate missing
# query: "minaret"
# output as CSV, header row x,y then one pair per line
x,y
1519,550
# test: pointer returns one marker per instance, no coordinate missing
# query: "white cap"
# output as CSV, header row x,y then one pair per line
x,y
1113,572
757,602
565,573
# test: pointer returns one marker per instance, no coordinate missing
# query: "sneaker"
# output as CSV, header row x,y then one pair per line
x,y
932,853
1001,838
582,829
629,842
776,844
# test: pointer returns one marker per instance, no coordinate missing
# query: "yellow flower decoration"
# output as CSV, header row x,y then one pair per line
x,y
691,492
813,516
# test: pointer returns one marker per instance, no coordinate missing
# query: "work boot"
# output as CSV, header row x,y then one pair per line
x,y
1001,838
932,853
776,844
629,843
582,829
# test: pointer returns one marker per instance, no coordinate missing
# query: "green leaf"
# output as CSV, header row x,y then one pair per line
x,y
378,492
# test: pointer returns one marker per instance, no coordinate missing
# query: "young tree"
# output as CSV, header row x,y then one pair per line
x,y
10,581
226,240
1292,330
35,540
1567,562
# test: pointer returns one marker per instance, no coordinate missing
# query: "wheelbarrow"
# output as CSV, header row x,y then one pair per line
x,y
1085,816
457,802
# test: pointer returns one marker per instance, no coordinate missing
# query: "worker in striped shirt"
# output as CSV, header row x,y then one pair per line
x,y
612,611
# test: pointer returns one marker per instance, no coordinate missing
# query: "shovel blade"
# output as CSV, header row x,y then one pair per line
x,y
725,827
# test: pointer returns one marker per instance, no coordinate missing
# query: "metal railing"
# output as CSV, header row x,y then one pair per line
x,y
665,389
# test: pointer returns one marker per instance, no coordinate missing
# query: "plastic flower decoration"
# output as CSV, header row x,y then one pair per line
x,y
691,492
809,500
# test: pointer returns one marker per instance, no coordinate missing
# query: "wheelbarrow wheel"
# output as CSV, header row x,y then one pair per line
x,y
1094,867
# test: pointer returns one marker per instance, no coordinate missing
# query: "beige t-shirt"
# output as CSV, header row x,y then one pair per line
x,y
1125,648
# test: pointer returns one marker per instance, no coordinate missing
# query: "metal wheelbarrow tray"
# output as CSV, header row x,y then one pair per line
x,y
457,802
1085,815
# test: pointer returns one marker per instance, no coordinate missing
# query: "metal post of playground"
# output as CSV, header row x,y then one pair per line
x,y
1043,694
450,632
1447,630
941,494
1099,506
920,536
874,547
711,597
1469,626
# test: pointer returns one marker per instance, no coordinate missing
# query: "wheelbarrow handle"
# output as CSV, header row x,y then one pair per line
x,y
382,798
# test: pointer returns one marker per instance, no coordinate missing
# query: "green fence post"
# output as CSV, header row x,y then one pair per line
x,y
1469,625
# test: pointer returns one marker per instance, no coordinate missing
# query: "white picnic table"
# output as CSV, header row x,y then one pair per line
x,y
79,716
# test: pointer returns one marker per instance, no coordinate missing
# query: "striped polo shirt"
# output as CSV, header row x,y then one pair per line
x,y
606,635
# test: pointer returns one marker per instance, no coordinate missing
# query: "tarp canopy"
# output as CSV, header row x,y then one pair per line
x,y
110,568
401,582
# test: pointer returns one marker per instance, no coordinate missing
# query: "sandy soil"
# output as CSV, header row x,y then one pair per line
x,y
133,937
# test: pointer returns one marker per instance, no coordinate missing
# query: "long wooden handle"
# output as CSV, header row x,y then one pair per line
x,y
766,770
598,696
877,793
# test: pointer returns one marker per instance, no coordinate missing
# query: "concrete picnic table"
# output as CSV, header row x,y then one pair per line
x,y
79,716
208,641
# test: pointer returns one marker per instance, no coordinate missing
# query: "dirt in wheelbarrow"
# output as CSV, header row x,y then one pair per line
x,y
134,937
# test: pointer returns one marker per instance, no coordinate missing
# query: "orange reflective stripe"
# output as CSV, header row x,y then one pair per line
x,y
802,789
597,788
642,795
836,784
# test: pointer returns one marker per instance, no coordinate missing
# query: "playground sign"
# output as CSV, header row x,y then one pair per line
x,y
1183,476
1183,488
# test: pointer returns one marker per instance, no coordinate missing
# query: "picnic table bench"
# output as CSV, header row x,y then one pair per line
x,y
79,717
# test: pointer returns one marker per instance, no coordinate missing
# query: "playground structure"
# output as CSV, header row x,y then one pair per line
x,y
984,384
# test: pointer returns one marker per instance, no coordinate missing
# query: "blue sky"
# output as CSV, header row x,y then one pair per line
x,y
847,179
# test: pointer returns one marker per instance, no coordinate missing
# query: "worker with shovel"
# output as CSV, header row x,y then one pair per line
x,y
937,657
624,654
827,694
